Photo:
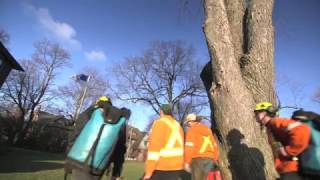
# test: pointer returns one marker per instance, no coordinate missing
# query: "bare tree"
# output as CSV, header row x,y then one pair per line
x,y
190,105
4,37
165,73
296,89
18,89
240,39
70,93
31,88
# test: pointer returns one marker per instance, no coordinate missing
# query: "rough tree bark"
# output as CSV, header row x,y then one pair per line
x,y
239,35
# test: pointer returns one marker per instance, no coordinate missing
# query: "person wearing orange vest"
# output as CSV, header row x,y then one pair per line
x,y
201,149
165,148
293,136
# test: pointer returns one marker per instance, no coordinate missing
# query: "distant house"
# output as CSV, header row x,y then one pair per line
x,y
141,151
7,63
133,136
49,132
44,121
135,142
50,119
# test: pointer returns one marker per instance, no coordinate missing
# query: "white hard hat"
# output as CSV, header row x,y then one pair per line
x,y
191,117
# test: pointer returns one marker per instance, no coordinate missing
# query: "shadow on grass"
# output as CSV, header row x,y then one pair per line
x,y
21,160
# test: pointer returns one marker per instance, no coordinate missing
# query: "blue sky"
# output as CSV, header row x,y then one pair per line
x,y
99,33
297,51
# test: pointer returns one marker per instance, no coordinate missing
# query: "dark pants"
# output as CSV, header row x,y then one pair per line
x,y
117,160
200,168
290,176
311,177
185,175
165,175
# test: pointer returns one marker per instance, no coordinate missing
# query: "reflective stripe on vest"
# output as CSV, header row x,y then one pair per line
x,y
169,150
189,144
206,142
293,125
154,156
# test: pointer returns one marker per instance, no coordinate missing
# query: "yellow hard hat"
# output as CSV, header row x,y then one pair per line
x,y
104,99
263,106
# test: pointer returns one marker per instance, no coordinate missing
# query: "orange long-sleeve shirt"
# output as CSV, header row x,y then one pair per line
x,y
165,148
200,143
294,137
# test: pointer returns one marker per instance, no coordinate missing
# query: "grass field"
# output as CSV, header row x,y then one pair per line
x,y
21,164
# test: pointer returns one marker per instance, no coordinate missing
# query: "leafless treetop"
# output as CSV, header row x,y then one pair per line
x,y
165,73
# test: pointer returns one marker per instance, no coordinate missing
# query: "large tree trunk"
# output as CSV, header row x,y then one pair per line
x,y
240,41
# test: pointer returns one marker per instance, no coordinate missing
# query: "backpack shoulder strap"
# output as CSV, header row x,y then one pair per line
x,y
293,125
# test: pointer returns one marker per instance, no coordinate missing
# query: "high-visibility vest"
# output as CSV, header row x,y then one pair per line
x,y
200,143
206,142
169,150
166,149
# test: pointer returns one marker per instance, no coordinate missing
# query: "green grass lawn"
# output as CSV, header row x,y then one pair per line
x,y
21,164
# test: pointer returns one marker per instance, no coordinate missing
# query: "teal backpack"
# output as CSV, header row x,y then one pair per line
x,y
92,149
309,160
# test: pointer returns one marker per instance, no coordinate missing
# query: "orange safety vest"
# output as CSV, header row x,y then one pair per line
x,y
200,143
294,137
165,148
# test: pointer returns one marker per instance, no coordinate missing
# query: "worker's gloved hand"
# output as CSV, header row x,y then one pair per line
x,y
187,168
